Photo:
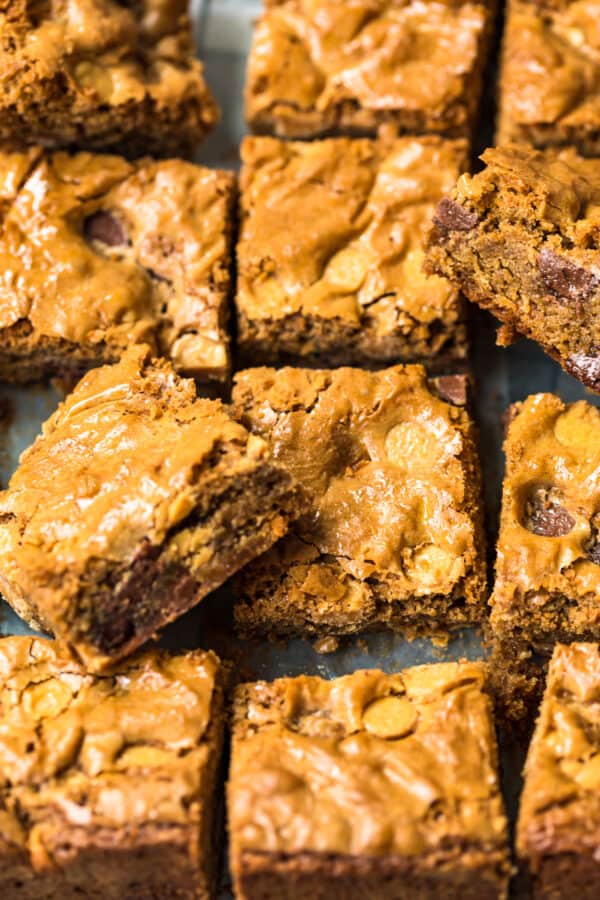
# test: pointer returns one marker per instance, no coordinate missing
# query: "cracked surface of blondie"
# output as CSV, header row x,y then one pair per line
x,y
393,537
331,251
107,782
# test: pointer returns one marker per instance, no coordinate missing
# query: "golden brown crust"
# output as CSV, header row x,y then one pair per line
x,y
137,500
549,94
102,75
519,238
103,253
107,779
559,819
344,285
396,772
548,561
333,67
394,535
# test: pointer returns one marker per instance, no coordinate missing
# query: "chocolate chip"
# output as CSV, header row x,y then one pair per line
x,y
585,368
564,278
545,516
454,217
104,227
453,388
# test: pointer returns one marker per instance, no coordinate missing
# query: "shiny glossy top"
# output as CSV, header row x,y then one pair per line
x,y
366,764
103,252
125,750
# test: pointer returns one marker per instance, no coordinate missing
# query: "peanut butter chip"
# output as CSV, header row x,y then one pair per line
x,y
390,717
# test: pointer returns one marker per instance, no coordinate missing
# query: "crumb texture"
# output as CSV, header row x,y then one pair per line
x,y
120,764
559,820
345,286
368,766
99,74
351,67
100,253
548,561
393,536
550,76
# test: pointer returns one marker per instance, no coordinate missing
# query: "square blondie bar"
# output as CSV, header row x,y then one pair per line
x,y
137,500
548,560
393,537
99,253
550,76
102,75
558,830
520,239
330,253
107,784
333,67
370,785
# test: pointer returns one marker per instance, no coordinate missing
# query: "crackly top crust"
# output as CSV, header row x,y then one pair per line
x,y
550,521
91,55
335,229
367,764
389,471
102,252
127,457
122,751
551,71
560,804
321,65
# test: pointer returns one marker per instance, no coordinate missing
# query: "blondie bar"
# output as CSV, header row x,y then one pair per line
x,y
331,252
135,502
370,785
98,253
520,239
548,561
393,537
550,75
102,75
333,67
107,784
558,831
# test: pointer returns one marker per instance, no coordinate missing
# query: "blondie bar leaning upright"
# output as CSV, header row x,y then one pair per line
x,y
320,67
98,253
102,75
558,831
135,502
548,561
370,785
520,239
550,76
394,536
107,784
330,253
